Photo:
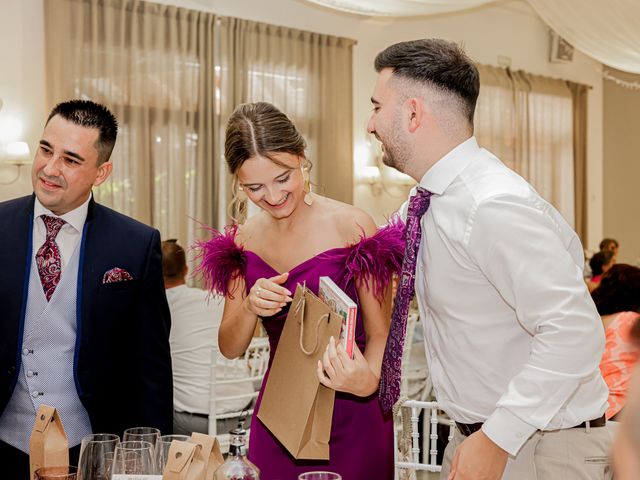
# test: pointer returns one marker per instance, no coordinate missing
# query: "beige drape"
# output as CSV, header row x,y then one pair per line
x,y
172,76
309,77
579,93
528,122
148,64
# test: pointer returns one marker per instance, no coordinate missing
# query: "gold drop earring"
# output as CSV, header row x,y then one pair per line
x,y
308,198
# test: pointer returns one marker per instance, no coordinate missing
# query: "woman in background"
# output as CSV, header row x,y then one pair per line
x,y
618,301
600,263
297,237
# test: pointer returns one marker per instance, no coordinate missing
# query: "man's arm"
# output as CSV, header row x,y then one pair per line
x,y
524,253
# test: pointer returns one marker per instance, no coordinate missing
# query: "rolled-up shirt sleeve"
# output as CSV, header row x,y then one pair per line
x,y
537,270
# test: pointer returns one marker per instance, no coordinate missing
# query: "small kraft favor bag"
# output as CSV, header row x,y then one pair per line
x,y
48,445
210,448
295,406
185,461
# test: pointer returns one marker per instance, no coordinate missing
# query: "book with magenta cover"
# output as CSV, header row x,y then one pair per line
x,y
334,296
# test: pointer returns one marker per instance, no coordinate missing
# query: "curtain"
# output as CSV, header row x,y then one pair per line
x,y
172,76
149,64
309,77
579,94
527,121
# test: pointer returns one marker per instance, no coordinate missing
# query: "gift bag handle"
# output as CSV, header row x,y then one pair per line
x,y
301,304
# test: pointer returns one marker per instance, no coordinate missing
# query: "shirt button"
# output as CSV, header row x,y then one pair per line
x,y
29,373
25,351
35,394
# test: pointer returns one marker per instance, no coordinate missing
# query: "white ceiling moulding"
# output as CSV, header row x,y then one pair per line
x,y
400,8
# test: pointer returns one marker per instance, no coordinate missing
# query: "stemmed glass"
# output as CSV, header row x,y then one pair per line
x,y
162,449
96,456
133,458
319,476
142,434
56,473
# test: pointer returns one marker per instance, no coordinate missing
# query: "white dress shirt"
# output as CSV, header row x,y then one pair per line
x,y
195,320
69,235
513,337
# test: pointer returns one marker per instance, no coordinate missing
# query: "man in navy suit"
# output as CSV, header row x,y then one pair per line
x,y
84,318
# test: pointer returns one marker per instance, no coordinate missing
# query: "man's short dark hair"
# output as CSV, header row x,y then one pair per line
x,y
173,260
436,63
86,113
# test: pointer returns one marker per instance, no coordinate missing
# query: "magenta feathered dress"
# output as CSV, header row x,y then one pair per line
x,y
361,443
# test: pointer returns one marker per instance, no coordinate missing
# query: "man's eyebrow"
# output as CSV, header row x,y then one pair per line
x,y
74,155
373,100
66,152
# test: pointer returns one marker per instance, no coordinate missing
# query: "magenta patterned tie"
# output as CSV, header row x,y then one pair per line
x,y
48,256
390,375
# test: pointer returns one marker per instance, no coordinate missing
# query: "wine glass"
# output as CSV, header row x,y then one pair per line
x,y
133,458
142,434
319,476
162,449
96,456
56,473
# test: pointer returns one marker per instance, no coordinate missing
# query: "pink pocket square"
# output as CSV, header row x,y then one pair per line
x,y
116,275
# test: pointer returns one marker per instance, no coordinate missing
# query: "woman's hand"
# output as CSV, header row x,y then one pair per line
x,y
267,296
338,371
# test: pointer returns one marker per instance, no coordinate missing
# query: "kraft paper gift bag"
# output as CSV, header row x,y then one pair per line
x,y
185,462
295,406
48,445
210,448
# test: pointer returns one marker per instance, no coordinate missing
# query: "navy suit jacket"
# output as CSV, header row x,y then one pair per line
x,y
122,365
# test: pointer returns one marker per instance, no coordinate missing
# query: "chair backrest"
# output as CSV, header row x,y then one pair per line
x,y
408,442
235,384
416,381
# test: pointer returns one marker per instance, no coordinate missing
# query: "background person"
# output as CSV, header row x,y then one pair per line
x,y
617,299
195,319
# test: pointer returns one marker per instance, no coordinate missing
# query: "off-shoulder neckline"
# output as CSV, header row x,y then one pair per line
x,y
301,264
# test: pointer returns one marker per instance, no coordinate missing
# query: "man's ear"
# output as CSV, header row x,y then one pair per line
x,y
104,171
417,112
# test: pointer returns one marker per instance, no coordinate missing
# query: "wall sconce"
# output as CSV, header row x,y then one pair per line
x,y
16,154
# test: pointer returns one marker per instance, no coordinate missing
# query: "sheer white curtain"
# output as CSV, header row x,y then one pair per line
x,y
527,121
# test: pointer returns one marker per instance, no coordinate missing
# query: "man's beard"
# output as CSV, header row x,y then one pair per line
x,y
394,156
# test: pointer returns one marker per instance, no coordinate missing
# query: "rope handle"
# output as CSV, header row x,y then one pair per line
x,y
301,304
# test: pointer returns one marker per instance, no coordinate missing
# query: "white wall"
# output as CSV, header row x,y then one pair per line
x,y
21,84
508,28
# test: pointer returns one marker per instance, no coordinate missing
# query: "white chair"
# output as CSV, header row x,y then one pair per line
x,y
407,439
416,381
243,374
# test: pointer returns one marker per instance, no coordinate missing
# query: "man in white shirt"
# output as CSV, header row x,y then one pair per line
x,y
195,321
513,337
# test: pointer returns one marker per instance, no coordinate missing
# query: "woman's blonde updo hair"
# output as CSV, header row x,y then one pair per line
x,y
258,129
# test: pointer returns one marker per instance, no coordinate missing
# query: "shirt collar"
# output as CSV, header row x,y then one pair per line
x,y
444,171
75,217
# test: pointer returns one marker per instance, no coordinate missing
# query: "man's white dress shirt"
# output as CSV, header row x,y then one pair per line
x,y
512,335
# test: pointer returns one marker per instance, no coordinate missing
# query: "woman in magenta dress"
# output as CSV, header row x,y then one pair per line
x,y
296,238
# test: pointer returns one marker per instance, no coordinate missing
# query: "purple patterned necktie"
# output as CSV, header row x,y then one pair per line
x,y
48,256
390,374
